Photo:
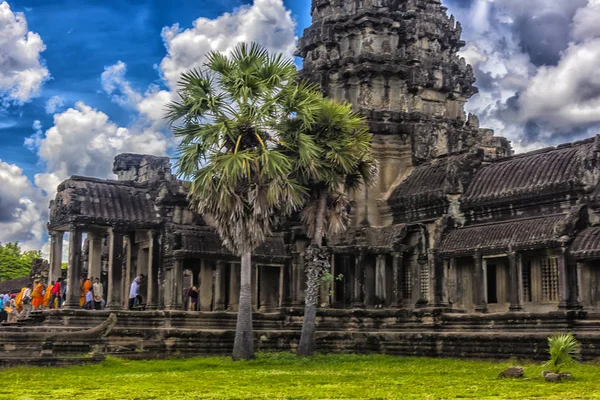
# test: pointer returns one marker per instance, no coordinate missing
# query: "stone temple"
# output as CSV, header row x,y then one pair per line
x,y
460,249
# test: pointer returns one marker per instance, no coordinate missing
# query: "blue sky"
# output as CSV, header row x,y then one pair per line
x,y
81,81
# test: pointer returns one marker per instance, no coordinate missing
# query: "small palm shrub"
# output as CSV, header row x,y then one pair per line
x,y
564,349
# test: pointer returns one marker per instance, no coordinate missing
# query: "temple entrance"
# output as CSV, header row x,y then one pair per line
x,y
461,283
496,274
343,284
268,280
588,276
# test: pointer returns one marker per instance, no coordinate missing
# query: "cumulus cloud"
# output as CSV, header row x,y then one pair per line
x,y
21,217
21,69
83,141
534,64
267,22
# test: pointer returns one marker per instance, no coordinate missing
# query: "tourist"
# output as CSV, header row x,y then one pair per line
x,y
89,299
192,295
37,296
26,301
11,310
98,292
3,312
56,300
48,295
134,292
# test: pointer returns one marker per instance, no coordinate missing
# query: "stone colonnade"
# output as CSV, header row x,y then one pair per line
x,y
515,271
121,245
218,283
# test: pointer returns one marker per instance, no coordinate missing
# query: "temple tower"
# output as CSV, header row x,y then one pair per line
x,y
396,61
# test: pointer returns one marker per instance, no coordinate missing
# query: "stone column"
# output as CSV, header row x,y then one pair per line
x,y
515,271
359,276
234,287
206,286
479,283
583,285
95,255
56,250
170,289
563,280
153,278
440,289
178,285
74,271
398,275
174,286
220,288
380,278
115,270
127,266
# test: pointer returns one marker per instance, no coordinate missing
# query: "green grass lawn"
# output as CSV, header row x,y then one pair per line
x,y
283,376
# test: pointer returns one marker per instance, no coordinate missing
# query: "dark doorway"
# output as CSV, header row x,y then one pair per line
x,y
492,293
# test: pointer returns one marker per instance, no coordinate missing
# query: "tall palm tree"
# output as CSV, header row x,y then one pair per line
x,y
229,115
334,159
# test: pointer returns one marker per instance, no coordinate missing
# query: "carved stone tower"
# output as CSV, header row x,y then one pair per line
x,y
396,62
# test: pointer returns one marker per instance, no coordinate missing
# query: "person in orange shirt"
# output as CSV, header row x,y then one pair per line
x,y
86,286
37,296
48,295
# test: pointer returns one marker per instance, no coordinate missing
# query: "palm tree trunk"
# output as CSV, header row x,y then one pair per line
x,y
314,271
243,346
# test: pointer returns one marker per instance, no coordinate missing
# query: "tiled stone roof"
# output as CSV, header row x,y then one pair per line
x,y
201,241
386,238
587,244
102,202
498,237
544,172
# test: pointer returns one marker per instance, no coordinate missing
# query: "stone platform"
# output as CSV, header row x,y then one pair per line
x,y
73,336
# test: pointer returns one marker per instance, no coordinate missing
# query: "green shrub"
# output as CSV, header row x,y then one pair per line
x,y
564,349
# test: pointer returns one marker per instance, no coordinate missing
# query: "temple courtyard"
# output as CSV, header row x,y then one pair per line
x,y
284,376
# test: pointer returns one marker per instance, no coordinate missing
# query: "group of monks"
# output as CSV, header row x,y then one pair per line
x,y
16,306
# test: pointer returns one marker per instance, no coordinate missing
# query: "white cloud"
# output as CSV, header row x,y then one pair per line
x,y
534,62
54,104
267,22
21,217
84,141
21,70
114,83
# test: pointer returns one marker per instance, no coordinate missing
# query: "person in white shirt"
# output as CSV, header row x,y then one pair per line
x,y
134,291
98,290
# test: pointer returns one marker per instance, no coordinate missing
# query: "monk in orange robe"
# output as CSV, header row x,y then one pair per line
x,y
19,300
48,295
86,286
37,296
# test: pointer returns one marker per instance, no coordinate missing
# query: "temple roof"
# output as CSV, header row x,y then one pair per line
x,y
388,238
103,202
493,238
204,241
587,244
544,172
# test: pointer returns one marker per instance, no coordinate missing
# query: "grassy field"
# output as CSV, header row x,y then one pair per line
x,y
283,376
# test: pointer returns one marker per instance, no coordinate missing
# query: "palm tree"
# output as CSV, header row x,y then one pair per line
x,y
229,114
563,350
334,160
